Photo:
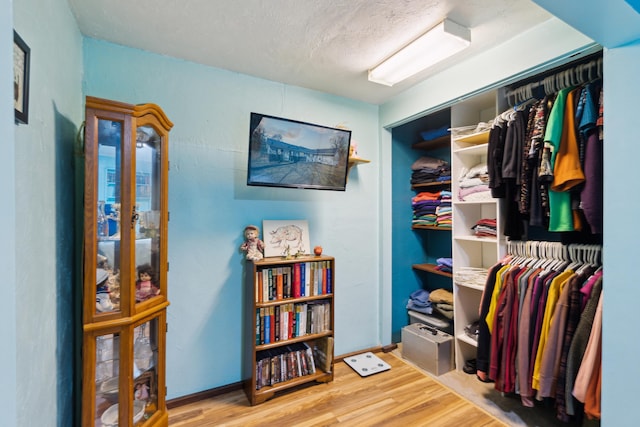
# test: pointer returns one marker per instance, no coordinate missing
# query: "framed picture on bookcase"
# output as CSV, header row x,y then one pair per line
x,y
285,237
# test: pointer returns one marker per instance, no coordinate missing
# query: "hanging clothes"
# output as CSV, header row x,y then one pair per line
x,y
589,374
560,217
536,331
578,346
546,163
484,335
591,195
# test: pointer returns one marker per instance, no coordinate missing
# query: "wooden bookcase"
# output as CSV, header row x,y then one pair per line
x,y
289,312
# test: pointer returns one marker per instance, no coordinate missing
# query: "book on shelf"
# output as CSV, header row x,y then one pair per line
x,y
267,326
324,276
279,284
288,281
306,276
272,321
258,325
296,280
323,352
285,322
258,287
310,360
277,317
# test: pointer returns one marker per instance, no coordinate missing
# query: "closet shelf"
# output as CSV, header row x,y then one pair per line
x,y
473,150
474,138
475,202
476,239
301,338
466,339
442,141
429,227
470,286
431,268
431,184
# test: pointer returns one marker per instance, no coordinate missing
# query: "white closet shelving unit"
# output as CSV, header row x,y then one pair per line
x,y
469,250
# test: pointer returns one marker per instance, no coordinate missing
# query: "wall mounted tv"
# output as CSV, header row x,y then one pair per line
x,y
289,153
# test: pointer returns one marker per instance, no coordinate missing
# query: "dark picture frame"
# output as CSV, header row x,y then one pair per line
x,y
295,154
21,60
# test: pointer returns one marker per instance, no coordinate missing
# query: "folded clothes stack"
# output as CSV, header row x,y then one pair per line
x,y
429,208
430,169
419,301
485,227
473,184
443,302
444,264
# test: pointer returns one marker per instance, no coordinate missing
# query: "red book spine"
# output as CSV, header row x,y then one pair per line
x,y
291,321
296,280
272,320
324,278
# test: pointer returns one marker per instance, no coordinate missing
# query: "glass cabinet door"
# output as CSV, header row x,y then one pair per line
x,y
147,207
108,216
107,380
145,371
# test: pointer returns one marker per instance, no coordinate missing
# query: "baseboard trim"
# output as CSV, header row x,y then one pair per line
x,y
213,392
202,395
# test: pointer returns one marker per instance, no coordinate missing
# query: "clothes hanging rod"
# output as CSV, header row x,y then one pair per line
x,y
574,76
574,252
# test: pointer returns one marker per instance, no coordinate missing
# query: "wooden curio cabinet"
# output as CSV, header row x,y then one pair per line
x,y
125,264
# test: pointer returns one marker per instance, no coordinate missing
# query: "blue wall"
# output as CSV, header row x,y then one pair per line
x,y
410,246
44,200
8,331
210,203
620,372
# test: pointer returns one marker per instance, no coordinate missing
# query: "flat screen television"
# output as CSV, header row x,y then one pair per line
x,y
290,153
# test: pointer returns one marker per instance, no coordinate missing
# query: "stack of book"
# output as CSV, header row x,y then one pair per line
x,y
286,321
298,280
284,364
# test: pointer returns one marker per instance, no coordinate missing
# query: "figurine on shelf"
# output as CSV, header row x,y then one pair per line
x,y
252,245
145,285
142,392
103,300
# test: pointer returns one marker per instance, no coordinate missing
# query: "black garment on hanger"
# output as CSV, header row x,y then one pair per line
x,y
483,355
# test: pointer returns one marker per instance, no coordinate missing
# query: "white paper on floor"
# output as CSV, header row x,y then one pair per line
x,y
366,364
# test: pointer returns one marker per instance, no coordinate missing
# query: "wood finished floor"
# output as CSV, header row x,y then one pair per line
x,y
403,396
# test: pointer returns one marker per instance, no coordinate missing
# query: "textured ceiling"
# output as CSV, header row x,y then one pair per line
x,y
326,45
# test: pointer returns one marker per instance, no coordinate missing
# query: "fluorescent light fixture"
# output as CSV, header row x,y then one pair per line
x,y
440,42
